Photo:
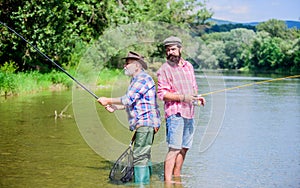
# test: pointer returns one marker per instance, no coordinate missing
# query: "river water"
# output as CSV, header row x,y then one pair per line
x,y
245,137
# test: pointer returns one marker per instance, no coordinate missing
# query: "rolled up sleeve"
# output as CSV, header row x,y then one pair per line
x,y
162,85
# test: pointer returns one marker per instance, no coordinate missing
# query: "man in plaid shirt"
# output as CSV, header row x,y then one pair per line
x,y
178,89
140,102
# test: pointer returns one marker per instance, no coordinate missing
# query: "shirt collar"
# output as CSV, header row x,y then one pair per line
x,y
176,65
136,76
183,62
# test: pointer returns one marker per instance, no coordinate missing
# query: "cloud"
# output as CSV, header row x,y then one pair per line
x,y
240,10
229,11
254,10
231,8
220,8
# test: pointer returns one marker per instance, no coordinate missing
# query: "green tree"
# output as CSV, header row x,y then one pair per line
x,y
129,13
276,28
266,53
228,27
53,26
169,11
236,42
56,27
212,55
294,56
229,47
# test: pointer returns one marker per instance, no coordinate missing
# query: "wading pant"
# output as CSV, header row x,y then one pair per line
x,y
142,154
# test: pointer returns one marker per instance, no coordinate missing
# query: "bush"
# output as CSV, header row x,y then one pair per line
x,y
7,78
59,78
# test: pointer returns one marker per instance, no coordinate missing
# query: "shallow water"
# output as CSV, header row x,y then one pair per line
x,y
252,138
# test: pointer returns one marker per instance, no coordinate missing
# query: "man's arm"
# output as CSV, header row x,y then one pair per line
x,y
173,97
179,97
111,104
104,101
113,107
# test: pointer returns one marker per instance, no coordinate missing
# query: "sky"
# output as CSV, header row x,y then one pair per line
x,y
244,11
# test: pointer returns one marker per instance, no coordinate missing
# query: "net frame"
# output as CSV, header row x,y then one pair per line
x,y
123,169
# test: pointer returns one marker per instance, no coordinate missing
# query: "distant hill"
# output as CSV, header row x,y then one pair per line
x,y
289,23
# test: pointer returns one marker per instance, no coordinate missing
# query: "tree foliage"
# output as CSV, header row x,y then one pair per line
x,y
228,27
264,50
52,26
64,29
276,28
229,48
7,78
57,28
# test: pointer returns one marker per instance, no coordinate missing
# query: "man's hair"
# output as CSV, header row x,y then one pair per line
x,y
139,62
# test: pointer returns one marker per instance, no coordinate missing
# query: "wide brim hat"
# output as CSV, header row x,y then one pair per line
x,y
172,40
138,57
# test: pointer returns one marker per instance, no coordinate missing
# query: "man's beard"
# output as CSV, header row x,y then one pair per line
x,y
174,59
128,72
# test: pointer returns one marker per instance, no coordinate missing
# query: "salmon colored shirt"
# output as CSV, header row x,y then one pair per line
x,y
178,80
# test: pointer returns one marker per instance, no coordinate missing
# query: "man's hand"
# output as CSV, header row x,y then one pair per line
x,y
103,101
111,108
189,98
202,100
195,98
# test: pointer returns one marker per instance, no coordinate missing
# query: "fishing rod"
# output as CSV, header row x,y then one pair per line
x,y
250,84
44,55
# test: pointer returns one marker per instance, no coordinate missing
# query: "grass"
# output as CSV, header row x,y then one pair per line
x,y
109,76
33,82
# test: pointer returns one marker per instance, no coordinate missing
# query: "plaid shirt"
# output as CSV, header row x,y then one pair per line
x,y
178,80
141,102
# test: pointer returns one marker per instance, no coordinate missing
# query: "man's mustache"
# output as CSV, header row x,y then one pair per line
x,y
174,58
171,56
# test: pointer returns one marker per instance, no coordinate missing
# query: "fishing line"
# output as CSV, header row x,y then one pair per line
x,y
44,55
250,84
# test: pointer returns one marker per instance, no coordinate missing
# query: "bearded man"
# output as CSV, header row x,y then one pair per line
x,y
178,89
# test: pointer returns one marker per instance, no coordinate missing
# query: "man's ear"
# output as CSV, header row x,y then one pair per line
x,y
137,65
180,49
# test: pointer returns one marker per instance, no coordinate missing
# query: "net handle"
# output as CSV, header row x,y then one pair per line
x,y
132,139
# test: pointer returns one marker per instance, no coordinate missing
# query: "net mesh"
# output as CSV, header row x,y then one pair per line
x,y
122,170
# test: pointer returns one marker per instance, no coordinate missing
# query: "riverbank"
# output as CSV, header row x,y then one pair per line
x,y
15,84
23,83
